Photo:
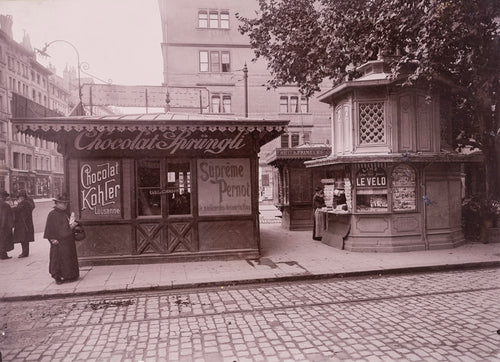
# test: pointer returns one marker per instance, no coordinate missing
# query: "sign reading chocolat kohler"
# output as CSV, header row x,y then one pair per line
x,y
100,189
172,142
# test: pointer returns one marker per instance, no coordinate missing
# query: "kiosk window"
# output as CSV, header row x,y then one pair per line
x,y
148,187
179,188
403,188
371,190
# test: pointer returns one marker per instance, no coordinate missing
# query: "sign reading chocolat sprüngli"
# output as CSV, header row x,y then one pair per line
x,y
167,142
100,189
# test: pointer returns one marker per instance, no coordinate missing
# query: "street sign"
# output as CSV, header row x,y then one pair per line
x,y
144,96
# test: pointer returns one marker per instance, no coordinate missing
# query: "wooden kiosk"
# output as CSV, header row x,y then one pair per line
x,y
158,187
295,184
391,149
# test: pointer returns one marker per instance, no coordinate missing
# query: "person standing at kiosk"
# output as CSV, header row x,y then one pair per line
x,y
319,222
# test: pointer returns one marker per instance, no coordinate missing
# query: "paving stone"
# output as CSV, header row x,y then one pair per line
x,y
337,319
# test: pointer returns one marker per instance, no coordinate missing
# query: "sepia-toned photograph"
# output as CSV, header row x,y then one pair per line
x,y
249,180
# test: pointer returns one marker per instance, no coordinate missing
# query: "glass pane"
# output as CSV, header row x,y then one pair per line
x,y
149,201
284,141
215,104
304,105
226,100
179,190
283,104
204,61
294,104
214,19
225,62
148,173
202,19
295,139
307,137
148,188
224,20
214,62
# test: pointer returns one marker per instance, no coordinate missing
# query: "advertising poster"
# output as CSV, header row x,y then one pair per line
x,y
100,190
224,187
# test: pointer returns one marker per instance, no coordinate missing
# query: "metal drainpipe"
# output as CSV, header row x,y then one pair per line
x,y
424,209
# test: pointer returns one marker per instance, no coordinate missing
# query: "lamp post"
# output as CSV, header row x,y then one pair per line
x,y
245,82
44,53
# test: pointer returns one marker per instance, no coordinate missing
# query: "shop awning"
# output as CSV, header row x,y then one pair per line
x,y
301,153
442,157
56,128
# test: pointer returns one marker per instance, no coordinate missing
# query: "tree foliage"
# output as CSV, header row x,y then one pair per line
x,y
306,42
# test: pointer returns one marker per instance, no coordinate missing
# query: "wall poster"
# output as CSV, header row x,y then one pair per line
x,y
224,186
100,185
403,188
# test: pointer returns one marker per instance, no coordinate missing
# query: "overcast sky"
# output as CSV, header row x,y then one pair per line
x,y
119,39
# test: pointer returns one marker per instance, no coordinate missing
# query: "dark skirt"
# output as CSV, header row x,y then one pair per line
x,y
318,224
63,262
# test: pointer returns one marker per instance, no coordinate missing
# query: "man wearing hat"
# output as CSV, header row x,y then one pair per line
x,y
24,232
63,263
6,225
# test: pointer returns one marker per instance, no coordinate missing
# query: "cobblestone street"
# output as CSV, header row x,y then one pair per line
x,y
434,316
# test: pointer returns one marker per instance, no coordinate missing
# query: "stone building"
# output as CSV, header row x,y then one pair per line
x,y
27,87
205,57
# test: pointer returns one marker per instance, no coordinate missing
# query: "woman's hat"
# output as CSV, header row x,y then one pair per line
x,y
4,194
22,193
319,188
62,198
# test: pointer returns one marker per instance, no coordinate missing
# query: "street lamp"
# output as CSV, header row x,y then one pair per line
x,y
245,79
44,53
245,86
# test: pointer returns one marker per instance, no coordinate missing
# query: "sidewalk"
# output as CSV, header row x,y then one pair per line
x,y
286,255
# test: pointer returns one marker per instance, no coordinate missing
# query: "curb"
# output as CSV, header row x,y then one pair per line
x,y
232,283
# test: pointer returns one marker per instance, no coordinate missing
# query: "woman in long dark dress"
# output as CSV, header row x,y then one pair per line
x,y
63,264
318,203
24,232
6,224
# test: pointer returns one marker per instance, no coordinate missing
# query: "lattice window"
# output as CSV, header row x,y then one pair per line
x,y
371,123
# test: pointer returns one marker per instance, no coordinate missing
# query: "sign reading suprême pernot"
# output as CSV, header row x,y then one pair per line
x,y
224,186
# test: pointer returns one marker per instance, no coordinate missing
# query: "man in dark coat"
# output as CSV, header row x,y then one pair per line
x,y
63,264
24,232
6,225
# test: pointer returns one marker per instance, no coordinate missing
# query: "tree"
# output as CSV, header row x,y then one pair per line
x,y
306,42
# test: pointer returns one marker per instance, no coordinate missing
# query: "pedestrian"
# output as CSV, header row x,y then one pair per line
x,y
63,263
6,225
319,217
24,231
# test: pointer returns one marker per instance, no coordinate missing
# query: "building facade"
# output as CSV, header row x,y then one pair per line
x,y
29,88
203,51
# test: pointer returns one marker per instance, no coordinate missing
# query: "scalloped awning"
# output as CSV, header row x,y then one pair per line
x,y
53,128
